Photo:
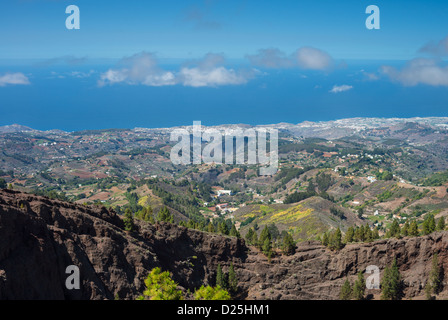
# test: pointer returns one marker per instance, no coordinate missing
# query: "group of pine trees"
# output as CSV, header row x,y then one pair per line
x,y
361,234
227,227
411,228
146,214
228,281
392,284
435,279
333,239
355,291
267,241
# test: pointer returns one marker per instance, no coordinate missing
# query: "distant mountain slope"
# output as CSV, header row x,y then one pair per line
x,y
304,220
14,128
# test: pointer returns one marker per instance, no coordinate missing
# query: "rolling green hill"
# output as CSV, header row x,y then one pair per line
x,y
305,220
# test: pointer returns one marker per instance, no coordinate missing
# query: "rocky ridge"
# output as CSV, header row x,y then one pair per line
x,y
40,237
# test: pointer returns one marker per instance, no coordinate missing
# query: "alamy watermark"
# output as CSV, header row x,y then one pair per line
x,y
72,22
373,281
73,280
226,146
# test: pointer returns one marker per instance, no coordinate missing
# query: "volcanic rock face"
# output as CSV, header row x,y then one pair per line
x,y
314,272
40,238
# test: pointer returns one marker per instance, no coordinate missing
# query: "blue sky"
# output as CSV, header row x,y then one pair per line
x,y
307,60
184,29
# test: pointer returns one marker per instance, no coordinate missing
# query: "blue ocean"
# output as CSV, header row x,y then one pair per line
x,y
68,97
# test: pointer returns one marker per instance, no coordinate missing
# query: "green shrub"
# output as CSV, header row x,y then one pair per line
x,y
160,286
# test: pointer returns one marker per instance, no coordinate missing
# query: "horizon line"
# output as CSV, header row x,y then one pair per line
x,y
229,124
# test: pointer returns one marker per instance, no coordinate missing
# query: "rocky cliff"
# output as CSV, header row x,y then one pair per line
x,y
40,237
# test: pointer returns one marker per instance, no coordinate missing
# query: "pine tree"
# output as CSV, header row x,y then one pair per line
x,y
220,278
364,232
346,291
234,233
233,281
265,234
222,228
391,284
435,277
413,229
349,235
210,227
375,234
335,240
211,293
441,224
128,220
250,235
160,286
405,229
288,245
368,234
428,291
358,234
429,225
164,215
267,248
254,239
359,287
325,239
148,214
394,230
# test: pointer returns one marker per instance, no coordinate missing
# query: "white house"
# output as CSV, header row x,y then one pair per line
x,y
227,192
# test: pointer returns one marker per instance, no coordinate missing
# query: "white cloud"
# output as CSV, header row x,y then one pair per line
x,y
140,68
419,71
73,74
313,59
210,72
113,76
17,78
196,77
143,69
338,89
